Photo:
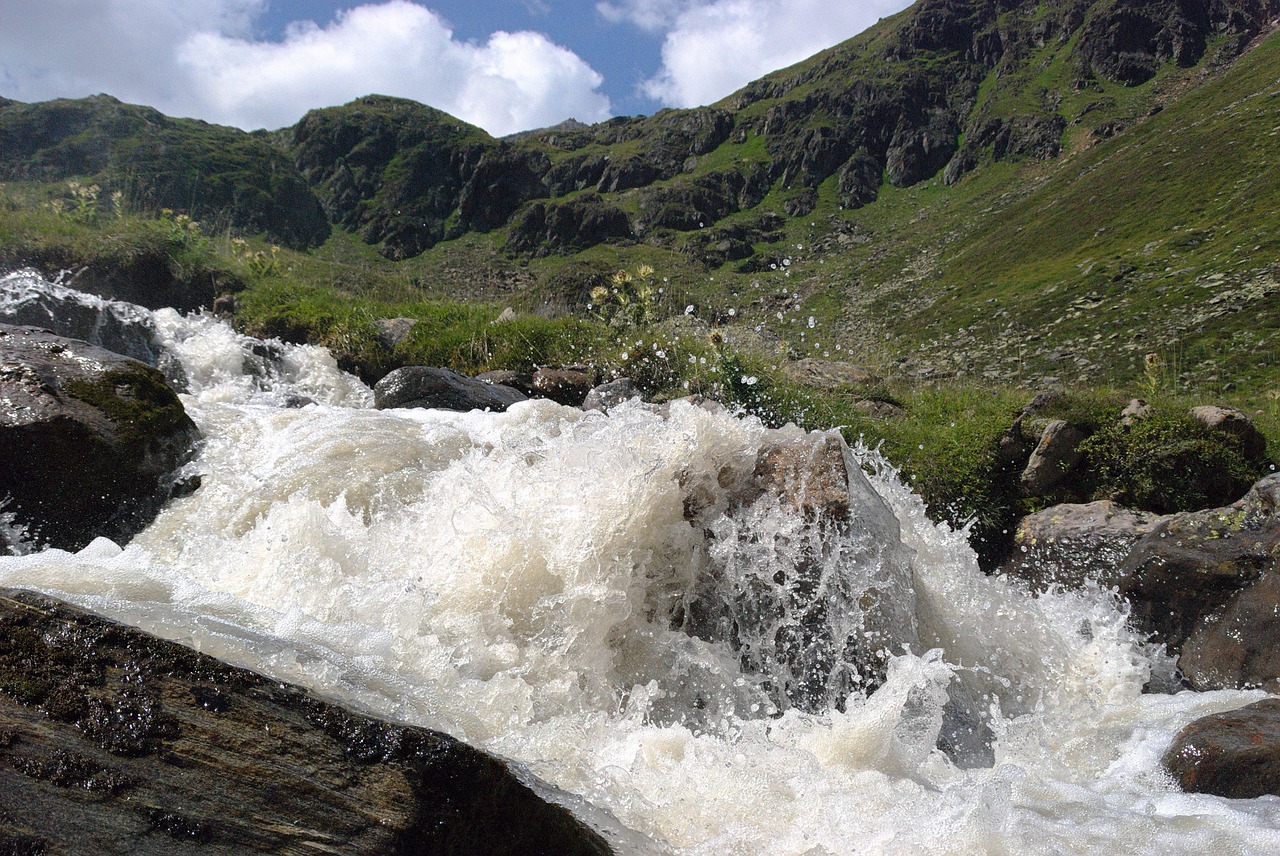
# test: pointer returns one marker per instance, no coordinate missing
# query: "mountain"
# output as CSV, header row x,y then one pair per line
x,y
1016,190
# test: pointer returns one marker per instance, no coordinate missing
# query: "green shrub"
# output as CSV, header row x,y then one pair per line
x,y
1168,462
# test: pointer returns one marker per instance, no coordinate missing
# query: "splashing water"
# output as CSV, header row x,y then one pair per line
x,y
535,583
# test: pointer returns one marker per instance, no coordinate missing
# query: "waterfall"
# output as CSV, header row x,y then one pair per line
x,y
589,596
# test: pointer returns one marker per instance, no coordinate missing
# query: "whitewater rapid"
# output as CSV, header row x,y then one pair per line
x,y
512,578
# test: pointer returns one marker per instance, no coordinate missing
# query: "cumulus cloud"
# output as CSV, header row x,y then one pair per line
x,y
714,47
201,59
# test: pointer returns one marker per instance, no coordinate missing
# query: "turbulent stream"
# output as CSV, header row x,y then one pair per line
x,y
528,582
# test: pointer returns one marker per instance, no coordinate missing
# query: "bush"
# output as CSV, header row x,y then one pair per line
x,y
1168,462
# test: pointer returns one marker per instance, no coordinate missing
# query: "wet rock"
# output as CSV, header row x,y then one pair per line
x,y
26,299
1231,421
564,386
1070,545
89,440
827,374
1054,457
1238,648
609,395
393,331
522,381
114,741
1234,754
1191,565
443,389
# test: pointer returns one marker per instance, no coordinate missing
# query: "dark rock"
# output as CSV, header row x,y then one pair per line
x,y
1191,565
116,741
1055,456
1238,648
122,328
609,395
860,180
503,180
542,228
1231,421
564,386
1070,545
444,389
522,381
1234,754
225,305
89,440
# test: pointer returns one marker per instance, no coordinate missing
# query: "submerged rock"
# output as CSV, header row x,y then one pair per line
x,y
89,440
114,741
1234,754
444,389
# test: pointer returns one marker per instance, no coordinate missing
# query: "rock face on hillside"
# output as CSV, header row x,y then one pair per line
x,y
114,741
902,103
89,440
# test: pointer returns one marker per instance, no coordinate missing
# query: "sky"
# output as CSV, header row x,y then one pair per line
x,y
505,65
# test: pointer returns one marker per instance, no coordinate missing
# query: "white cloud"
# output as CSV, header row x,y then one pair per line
x,y
200,59
714,47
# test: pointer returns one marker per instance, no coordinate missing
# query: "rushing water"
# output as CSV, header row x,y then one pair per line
x,y
525,582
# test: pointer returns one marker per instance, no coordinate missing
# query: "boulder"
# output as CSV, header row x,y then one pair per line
x,y
1231,421
443,389
1134,411
1069,545
1234,754
90,441
563,386
1054,457
522,381
1191,565
609,395
27,299
114,741
1238,648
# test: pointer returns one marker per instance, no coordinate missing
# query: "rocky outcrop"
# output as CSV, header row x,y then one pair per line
x,y
1234,754
543,228
827,374
444,389
112,740
1192,565
89,440
1074,544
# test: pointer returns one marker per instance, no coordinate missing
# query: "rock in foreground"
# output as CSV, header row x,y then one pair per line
x,y
114,741
89,440
1234,754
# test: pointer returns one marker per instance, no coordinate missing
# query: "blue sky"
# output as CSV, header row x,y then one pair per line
x,y
505,65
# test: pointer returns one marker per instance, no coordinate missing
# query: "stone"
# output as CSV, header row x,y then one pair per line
x,y
1234,754
522,381
827,374
1190,565
443,389
1238,648
27,299
506,315
1071,545
1231,421
90,441
1054,457
879,409
393,331
609,395
1135,410
564,386
115,741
